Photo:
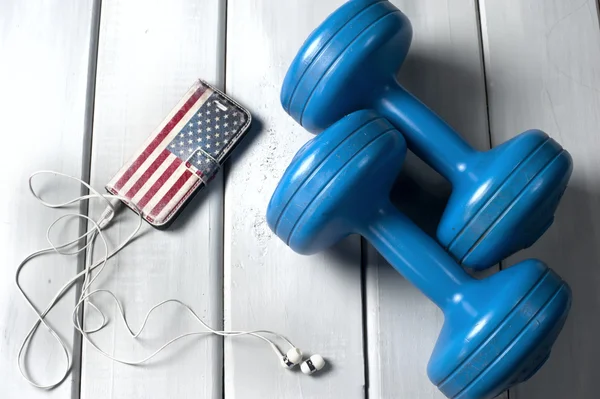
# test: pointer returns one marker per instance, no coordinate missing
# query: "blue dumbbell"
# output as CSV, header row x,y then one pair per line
x,y
497,331
503,200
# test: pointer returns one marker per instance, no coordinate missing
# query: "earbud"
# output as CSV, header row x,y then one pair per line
x,y
312,364
292,358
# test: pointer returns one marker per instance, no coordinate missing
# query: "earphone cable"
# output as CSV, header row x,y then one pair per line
x,y
90,273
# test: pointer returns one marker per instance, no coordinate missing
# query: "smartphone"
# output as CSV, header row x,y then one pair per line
x,y
183,154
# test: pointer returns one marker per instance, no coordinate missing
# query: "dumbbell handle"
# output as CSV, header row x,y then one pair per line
x,y
427,135
414,254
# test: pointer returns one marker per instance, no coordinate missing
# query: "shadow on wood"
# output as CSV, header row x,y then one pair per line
x,y
571,248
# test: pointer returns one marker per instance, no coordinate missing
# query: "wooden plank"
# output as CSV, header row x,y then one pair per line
x,y
543,67
44,78
316,300
444,70
150,53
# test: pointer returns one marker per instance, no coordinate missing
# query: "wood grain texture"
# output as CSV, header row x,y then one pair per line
x,y
542,65
43,85
444,69
543,69
314,300
150,53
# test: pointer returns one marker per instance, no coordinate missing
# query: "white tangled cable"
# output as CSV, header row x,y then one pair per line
x,y
89,275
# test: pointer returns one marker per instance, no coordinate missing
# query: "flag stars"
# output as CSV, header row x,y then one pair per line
x,y
209,132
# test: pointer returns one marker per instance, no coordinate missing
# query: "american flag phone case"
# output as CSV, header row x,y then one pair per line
x,y
182,155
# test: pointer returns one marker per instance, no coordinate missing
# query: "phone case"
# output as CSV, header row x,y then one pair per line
x,y
182,155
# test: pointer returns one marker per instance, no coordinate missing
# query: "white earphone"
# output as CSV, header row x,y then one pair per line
x,y
292,357
312,364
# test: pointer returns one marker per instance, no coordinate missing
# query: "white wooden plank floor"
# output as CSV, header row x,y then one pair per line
x,y
149,54
43,97
82,84
322,290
